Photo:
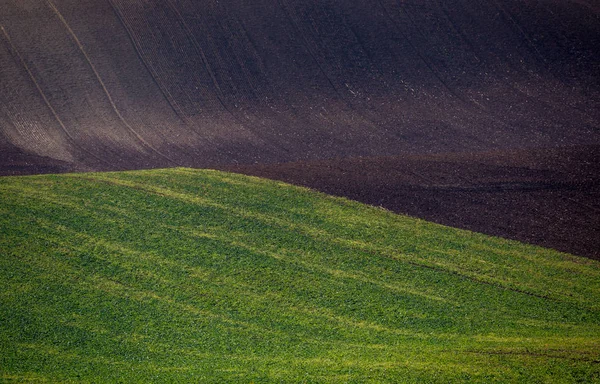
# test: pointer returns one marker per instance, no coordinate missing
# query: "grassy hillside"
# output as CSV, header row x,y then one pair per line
x,y
200,276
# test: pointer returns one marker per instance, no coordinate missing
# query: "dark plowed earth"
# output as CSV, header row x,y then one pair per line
x,y
129,84
120,84
547,197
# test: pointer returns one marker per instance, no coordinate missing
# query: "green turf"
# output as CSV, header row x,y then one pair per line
x,y
200,276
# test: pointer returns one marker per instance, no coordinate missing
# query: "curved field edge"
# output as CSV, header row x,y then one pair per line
x,y
199,275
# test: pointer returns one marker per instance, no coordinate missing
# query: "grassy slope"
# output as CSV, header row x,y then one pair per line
x,y
187,275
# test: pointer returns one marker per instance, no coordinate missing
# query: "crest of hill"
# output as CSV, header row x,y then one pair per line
x,y
182,275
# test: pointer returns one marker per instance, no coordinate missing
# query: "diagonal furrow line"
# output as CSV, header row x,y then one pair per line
x,y
253,83
101,82
429,65
213,78
420,55
465,38
45,98
444,8
156,77
532,47
261,95
138,50
243,121
313,56
473,103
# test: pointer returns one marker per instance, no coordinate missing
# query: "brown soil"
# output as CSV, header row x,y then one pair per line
x,y
128,84
18,162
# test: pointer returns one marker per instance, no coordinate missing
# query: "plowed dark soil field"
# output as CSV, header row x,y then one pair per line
x,y
389,88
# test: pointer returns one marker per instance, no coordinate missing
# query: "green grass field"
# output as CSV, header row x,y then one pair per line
x,y
200,276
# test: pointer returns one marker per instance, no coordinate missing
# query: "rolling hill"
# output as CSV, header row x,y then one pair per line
x,y
184,275
545,196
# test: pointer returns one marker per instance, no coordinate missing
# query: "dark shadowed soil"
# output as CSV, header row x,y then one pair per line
x,y
549,197
127,84
18,162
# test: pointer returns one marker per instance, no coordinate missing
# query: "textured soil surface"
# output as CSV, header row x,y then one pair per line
x,y
388,87
126,84
547,197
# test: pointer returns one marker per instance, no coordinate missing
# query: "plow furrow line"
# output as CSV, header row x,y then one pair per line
x,y
103,86
45,98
